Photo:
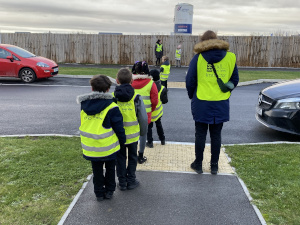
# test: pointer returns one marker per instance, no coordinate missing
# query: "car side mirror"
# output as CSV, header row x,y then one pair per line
x,y
10,58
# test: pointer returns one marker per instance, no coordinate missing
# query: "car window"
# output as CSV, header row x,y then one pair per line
x,y
21,52
16,58
4,53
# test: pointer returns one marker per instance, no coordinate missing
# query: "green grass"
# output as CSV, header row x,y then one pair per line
x,y
272,175
88,71
39,177
245,75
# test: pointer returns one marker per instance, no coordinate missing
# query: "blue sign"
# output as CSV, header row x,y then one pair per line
x,y
183,28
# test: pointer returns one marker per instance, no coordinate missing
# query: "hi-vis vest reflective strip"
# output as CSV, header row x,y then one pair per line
x,y
165,75
97,141
145,93
207,86
178,54
158,112
158,47
131,125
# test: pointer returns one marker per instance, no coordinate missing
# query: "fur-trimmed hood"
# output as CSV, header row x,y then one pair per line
x,y
93,95
94,102
211,44
141,76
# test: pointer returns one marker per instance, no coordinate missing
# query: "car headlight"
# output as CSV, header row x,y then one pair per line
x,y
41,64
288,103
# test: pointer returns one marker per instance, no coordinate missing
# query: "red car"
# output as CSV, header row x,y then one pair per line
x,y
17,62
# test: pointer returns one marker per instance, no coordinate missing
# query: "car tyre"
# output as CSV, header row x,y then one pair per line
x,y
27,75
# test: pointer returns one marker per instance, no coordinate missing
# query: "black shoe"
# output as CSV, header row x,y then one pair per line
x,y
100,199
141,160
214,168
197,168
122,187
163,142
133,185
149,144
108,195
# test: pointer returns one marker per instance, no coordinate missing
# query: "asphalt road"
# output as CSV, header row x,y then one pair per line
x,y
49,107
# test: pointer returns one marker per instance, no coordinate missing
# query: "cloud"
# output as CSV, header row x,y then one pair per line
x,y
146,16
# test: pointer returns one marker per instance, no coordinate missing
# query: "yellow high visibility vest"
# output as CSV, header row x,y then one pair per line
x,y
177,55
158,47
165,74
97,141
158,112
145,93
207,86
131,125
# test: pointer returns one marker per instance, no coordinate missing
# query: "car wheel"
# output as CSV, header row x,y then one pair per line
x,y
27,75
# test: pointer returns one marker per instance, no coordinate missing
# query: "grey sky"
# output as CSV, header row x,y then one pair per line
x,y
227,17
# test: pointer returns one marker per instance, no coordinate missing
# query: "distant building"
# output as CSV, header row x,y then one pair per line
x,y
183,18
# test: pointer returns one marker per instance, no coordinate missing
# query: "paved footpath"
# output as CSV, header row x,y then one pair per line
x,y
170,193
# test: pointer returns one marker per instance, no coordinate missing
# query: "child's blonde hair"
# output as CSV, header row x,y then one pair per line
x,y
165,58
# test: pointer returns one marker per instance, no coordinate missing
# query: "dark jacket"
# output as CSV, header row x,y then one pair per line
x,y
210,112
124,93
164,93
95,102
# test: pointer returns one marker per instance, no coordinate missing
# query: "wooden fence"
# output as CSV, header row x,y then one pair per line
x,y
255,51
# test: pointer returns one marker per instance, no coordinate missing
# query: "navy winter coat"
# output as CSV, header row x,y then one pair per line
x,y
209,112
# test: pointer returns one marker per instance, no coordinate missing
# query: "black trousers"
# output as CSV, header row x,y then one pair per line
x,y
127,175
157,63
159,128
215,137
104,183
164,83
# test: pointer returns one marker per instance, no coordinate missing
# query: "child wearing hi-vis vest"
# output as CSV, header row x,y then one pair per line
x,y
165,71
143,85
135,123
158,112
102,133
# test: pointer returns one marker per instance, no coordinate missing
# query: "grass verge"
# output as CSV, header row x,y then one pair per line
x,y
39,177
88,71
272,175
245,75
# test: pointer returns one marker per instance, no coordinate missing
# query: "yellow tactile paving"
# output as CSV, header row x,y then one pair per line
x,y
178,157
176,84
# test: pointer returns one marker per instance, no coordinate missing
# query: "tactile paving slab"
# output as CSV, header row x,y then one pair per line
x,y
178,157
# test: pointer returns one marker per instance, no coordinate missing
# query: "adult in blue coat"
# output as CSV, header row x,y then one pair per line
x,y
208,114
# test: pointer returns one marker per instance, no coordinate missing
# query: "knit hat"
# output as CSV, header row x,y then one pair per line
x,y
140,67
155,74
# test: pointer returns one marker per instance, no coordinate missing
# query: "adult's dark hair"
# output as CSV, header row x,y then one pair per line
x,y
124,76
100,83
140,67
207,35
158,41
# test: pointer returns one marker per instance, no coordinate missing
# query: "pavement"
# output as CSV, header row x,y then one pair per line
x,y
170,192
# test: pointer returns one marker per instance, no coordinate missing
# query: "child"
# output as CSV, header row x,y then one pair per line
x,y
101,133
158,112
143,85
165,71
178,56
135,123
